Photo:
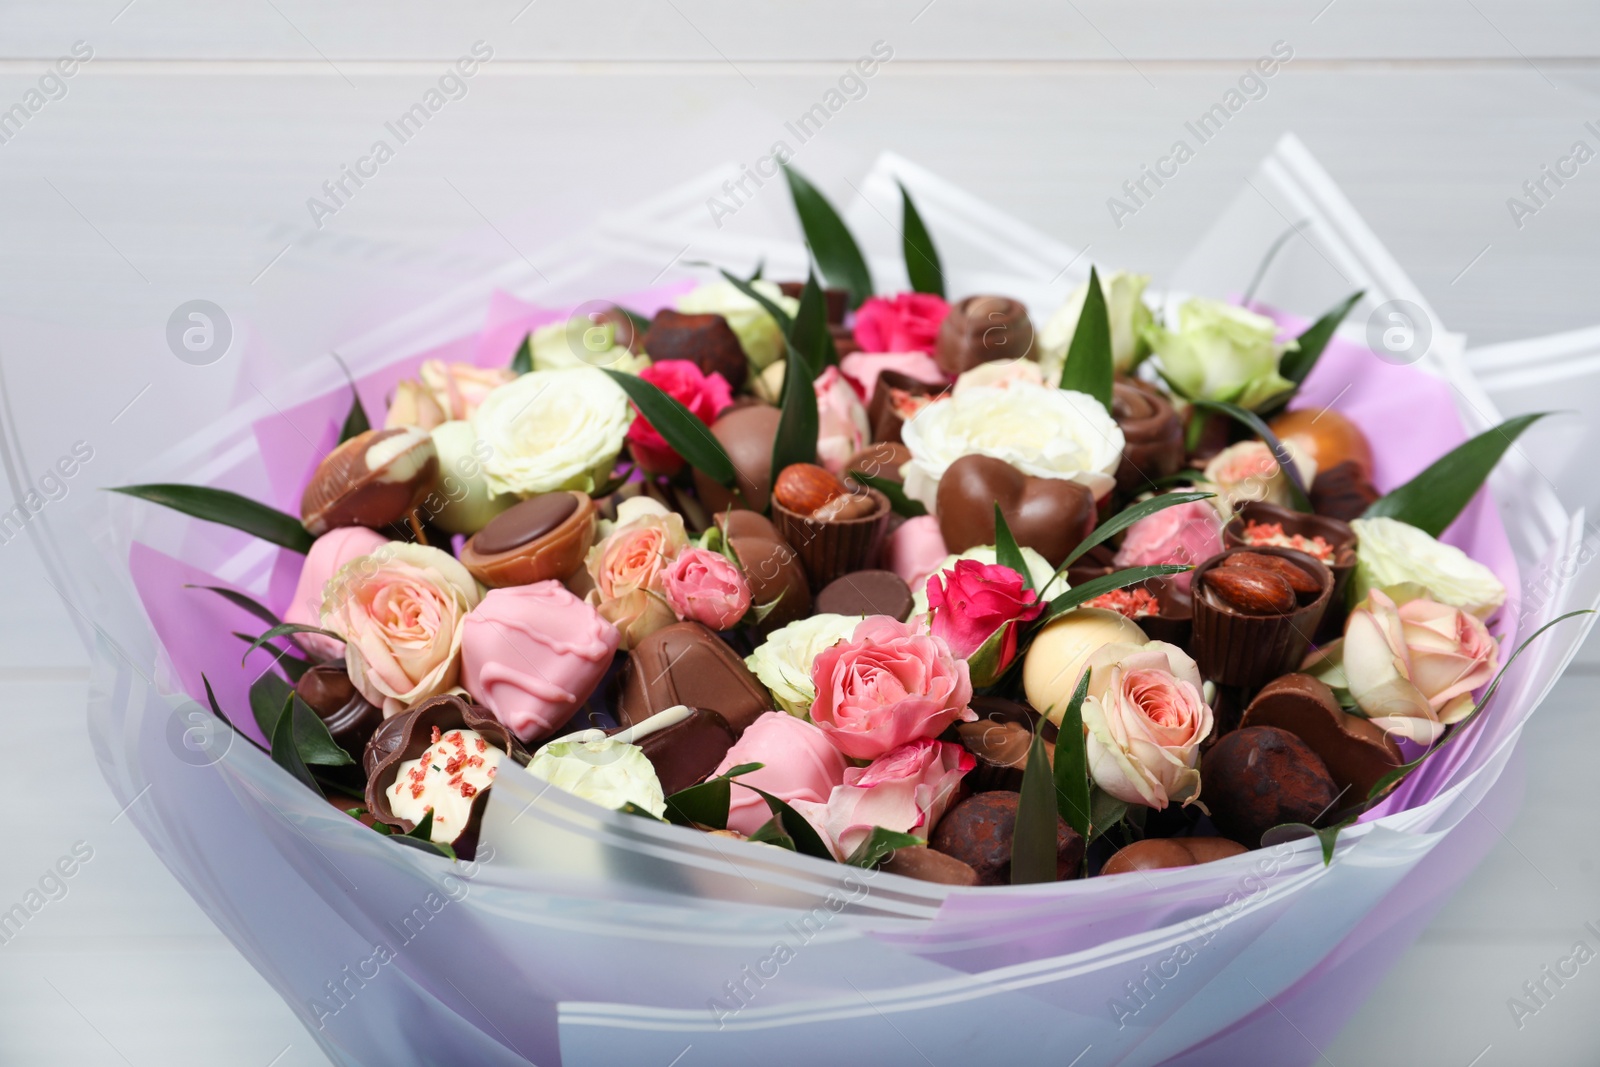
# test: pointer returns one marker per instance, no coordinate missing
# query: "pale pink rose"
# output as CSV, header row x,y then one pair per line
x,y
915,550
329,553
886,686
627,569
904,790
863,368
1145,718
1412,669
972,600
458,388
413,405
705,586
799,766
1249,471
842,428
905,322
1000,373
1184,533
400,612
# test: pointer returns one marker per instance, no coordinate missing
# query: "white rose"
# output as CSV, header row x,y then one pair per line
x,y
553,429
1042,431
577,342
609,773
759,333
1222,352
1040,574
783,660
1391,553
465,506
1126,311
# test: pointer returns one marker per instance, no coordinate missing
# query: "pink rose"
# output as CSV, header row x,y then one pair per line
x,y
842,428
705,395
627,569
800,766
905,322
973,600
704,586
1249,471
329,553
458,388
1145,718
905,790
886,686
915,550
401,613
863,368
413,405
1184,533
1412,669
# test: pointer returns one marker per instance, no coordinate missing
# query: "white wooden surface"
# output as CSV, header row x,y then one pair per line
x,y
179,161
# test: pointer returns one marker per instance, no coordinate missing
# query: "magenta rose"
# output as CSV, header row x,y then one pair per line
x,y
886,686
905,322
705,395
973,600
1184,533
904,790
704,586
799,765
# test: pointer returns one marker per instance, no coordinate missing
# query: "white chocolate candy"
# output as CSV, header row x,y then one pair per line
x,y
445,780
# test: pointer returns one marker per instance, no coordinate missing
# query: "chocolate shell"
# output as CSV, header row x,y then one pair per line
x,y
686,663
896,397
1235,648
1050,515
978,832
686,752
1152,434
982,329
771,568
882,460
1342,492
1001,752
1356,752
543,537
746,434
350,717
832,548
1337,533
375,479
707,341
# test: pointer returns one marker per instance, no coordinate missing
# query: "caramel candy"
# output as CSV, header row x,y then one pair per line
x,y
686,663
981,329
543,537
1050,515
1326,436
375,479
704,340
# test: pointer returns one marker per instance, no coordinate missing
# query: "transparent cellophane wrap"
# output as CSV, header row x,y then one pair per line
x,y
583,936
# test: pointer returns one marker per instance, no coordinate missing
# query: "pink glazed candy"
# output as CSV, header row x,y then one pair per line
x,y
800,763
532,654
328,553
915,550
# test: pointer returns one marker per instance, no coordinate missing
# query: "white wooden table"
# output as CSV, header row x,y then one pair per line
x,y
178,165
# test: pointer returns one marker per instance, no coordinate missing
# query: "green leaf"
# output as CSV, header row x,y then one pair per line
x,y
227,508
240,600
984,664
268,695
772,832
761,265
1072,764
1033,841
705,804
1082,594
1127,517
1006,552
780,316
1089,367
899,503
355,422
293,667
688,436
1328,836
810,335
423,831
522,362
806,841
879,845
284,751
1297,364
641,325
421,837
835,250
630,808
922,259
283,629
216,709
311,737
1297,488
796,440
1432,500
1104,811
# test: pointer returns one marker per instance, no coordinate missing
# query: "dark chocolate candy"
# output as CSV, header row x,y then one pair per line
x,y
896,397
771,568
927,865
1155,853
1257,778
686,752
978,832
524,522
746,434
981,329
1049,515
866,593
350,717
375,479
1152,434
704,340
686,663
1342,492
1356,752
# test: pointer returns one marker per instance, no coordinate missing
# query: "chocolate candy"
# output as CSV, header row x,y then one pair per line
x,y
1152,434
1250,625
1326,436
544,537
882,460
1049,515
384,742
746,434
1001,709
704,340
1001,749
836,540
350,717
981,329
1356,752
686,663
1257,778
896,397
978,832
1342,492
374,479
771,568
928,865
866,593
1156,853
687,751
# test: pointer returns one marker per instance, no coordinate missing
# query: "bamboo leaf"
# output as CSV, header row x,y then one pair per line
x,y
772,832
311,737
1082,594
810,335
706,804
922,258
1090,367
238,599
1006,552
796,440
284,751
522,362
835,250
688,436
1432,500
283,629
268,695
781,317
1121,521
1072,764
228,509
1033,840
1297,364
879,845
899,503
1297,487
806,841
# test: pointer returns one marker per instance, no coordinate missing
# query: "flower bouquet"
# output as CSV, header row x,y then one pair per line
x,y
788,629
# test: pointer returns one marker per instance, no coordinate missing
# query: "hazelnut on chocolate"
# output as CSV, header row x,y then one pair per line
x,y
375,479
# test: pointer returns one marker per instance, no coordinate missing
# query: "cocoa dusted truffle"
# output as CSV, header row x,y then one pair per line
x,y
981,329
707,341
1259,777
978,832
1356,751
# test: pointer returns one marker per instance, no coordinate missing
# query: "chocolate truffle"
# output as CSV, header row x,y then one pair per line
x,y
981,329
771,568
1260,777
746,434
1050,515
689,750
350,717
1342,492
686,663
1356,752
1152,434
704,340
375,479
1156,853
866,593
978,832
927,865
543,537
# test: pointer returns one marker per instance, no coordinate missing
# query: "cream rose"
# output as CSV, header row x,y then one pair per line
x,y
783,661
1393,554
579,342
400,612
550,430
1145,719
1125,310
1042,431
627,568
606,772
759,333
1221,352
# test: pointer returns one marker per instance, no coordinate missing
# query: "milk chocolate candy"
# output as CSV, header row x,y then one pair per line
x,y
978,832
543,537
1050,515
1257,778
866,593
882,460
746,434
686,663
831,547
1173,621
375,479
686,752
1157,853
1001,751
350,717
1356,752
896,397
981,329
771,568
927,865
1002,709
1249,625
1152,434
704,340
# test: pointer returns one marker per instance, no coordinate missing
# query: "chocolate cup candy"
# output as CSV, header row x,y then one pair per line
x,y
1174,618
771,568
1336,532
704,340
928,865
1157,853
978,832
866,593
375,479
1050,515
746,433
544,537
1356,752
982,329
896,397
1152,434
1257,778
350,717
686,752
1235,648
686,663
833,548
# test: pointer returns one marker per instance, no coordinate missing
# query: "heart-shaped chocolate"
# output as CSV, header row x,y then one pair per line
x,y
1050,515
1357,753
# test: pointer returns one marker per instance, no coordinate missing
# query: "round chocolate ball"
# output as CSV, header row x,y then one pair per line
x,y
746,435
978,832
1260,777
